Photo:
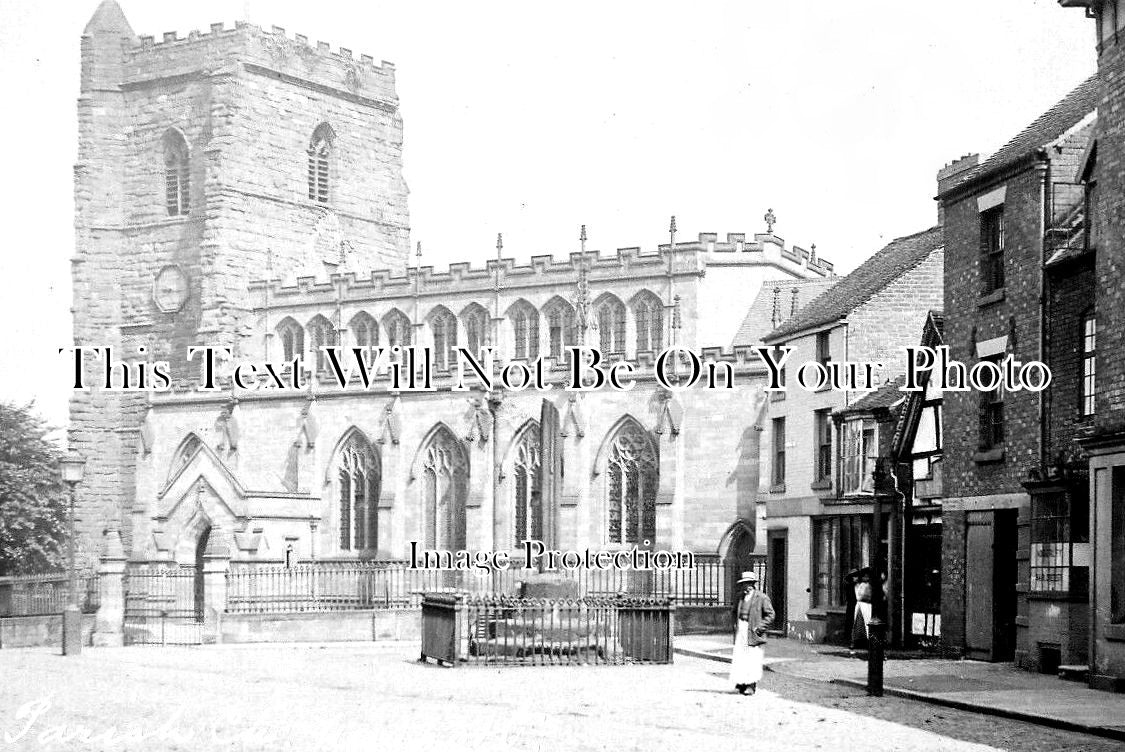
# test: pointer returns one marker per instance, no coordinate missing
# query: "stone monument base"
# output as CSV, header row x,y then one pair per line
x,y
551,585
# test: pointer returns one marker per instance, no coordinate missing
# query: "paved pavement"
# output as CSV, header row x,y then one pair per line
x,y
991,688
376,696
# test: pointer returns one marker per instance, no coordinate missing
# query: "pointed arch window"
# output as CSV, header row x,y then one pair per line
x,y
186,451
525,327
292,338
357,484
320,153
560,328
611,325
321,334
443,325
398,329
649,314
365,332
526,468
475,321
632,478
445,488
177,175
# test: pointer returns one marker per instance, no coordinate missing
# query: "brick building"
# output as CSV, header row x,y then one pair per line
x,y
243,188
1103,171
820,497
1015,549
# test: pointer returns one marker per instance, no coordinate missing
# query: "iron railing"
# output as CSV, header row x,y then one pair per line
x,y
163,605
46,594
347,586
500,630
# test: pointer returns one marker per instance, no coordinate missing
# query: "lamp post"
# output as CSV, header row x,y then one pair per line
x,y
877,627
73,467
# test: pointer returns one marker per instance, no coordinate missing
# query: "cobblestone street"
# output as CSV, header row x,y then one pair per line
x,y
364,696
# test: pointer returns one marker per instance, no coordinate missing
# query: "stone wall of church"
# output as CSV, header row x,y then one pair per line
x,y
707,465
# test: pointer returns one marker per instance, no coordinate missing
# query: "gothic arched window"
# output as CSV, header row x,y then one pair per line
x,y
475,321
177,176
611,324
525,328
632,477
560,326
526,467
292,338
443,325
445,489
187,449
397,328
365,331
649,314
321,334
357,486
320,152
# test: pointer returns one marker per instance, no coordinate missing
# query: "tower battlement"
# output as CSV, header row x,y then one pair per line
x,y
148,56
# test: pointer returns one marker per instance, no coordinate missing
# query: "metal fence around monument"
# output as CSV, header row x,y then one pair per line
x,y
497,630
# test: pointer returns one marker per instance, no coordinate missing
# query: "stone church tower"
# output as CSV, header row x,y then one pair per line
x,y
205,162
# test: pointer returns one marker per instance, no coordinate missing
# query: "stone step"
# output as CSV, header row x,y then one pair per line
x,y
1078,673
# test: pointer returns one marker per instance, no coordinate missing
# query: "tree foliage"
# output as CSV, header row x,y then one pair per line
x,y
33,498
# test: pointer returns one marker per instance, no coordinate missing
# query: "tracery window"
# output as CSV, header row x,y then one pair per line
x,y
443,325
398,329
475,321
177,175
445,488
560,328
525,327
321,334
528,507
649,314
365,331
632,477
320,151
292,338
611,325
357,476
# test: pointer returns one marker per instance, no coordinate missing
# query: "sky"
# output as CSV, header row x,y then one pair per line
x,y
533,118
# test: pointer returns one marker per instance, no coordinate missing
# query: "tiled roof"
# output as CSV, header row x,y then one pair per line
x,y
1066,114
898,257
759,319
885,396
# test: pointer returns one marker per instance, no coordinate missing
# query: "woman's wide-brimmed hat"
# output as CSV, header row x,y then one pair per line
x,y
748,576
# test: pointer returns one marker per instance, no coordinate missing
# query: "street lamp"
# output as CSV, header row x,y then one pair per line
x,y
73,467
877,626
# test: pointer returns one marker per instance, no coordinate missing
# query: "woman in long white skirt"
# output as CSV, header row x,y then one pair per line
x,y
754,616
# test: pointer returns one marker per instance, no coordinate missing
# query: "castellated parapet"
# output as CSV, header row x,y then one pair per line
x,y
709,283
269,51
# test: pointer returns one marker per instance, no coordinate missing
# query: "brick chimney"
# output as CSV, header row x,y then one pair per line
x,y
949,175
